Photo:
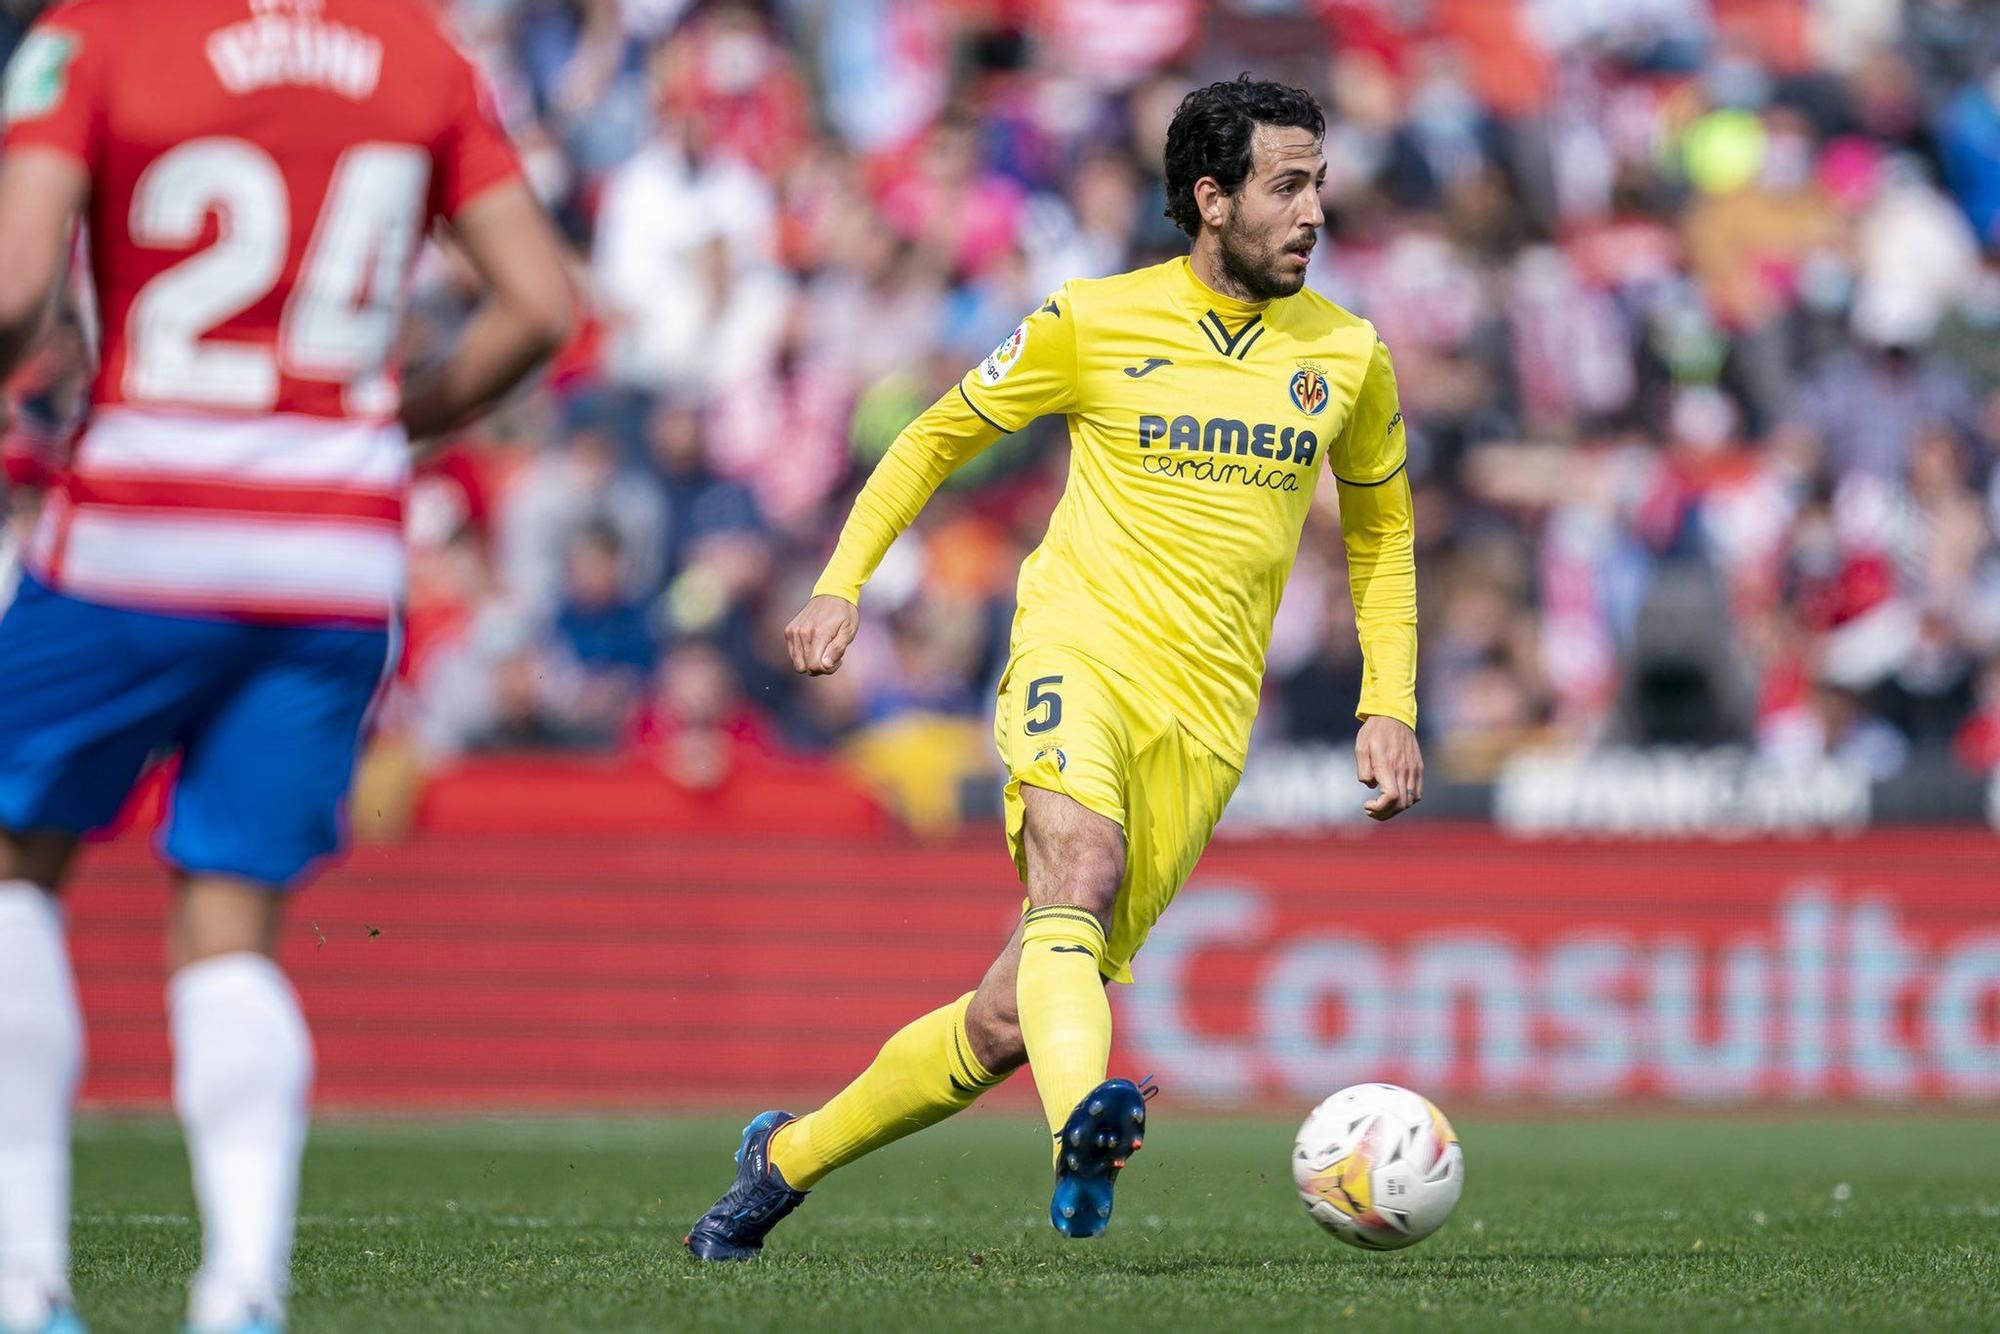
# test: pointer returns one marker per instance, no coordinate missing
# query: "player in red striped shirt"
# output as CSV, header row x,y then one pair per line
x,y
218,572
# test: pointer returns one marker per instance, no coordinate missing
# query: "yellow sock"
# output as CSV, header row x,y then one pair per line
x,y
923,1074
1065,1015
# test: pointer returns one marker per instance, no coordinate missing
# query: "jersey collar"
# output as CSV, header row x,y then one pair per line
x,y
1202,298
1232,327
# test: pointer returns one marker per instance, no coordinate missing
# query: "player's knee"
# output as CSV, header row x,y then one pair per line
x,y
994,1027
1075,856
217,915
1086,876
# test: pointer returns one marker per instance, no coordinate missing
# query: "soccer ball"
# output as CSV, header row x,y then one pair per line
x,y
1378,1166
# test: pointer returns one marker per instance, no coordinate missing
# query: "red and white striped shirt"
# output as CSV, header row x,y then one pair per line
x,y
262,172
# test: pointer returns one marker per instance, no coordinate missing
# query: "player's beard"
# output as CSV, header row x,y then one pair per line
x,y
1251,260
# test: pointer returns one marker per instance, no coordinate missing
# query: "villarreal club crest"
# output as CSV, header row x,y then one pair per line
x,y
1309,391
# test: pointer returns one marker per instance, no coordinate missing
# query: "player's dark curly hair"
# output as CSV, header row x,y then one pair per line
x,y
1210,136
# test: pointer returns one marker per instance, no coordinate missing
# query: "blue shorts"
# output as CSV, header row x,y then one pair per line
x,y
266,719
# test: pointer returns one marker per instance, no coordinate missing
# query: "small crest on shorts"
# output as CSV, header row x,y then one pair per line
x,y
1062,760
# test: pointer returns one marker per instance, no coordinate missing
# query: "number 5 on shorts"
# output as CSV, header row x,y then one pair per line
x,y
1039,697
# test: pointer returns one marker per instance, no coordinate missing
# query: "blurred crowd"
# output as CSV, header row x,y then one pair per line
x,y
1695,306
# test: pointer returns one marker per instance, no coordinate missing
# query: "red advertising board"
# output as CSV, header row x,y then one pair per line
x,y
604,970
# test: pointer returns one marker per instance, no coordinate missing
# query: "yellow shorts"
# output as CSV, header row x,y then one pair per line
x,y
1071,725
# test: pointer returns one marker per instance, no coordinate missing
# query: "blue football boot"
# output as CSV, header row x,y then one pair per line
x,y
1101,1135
759,1198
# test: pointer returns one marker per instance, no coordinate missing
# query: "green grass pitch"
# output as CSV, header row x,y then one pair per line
x,y
1886,1223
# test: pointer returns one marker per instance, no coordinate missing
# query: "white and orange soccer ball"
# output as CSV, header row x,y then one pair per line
x,y
1378,1166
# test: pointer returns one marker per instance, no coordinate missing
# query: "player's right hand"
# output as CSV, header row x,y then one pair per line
x,y
818,636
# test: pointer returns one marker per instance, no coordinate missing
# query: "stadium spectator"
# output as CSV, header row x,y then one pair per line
x,y
698,728
1696,307
606,632
566,488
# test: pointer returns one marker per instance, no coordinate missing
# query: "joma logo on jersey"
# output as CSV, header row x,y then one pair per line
x,y
1226,435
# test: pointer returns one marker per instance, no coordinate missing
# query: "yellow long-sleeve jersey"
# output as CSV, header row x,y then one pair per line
x,y
1199,426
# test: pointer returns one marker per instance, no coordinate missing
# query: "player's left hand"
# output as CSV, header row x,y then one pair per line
x,y
1386,758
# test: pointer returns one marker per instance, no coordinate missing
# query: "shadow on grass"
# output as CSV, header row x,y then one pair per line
x,y
1429,1269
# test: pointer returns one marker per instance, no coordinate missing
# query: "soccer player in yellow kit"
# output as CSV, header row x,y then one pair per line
x,y
1205,399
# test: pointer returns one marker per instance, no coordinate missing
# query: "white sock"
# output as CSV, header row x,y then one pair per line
x,y
243,1065
41,1056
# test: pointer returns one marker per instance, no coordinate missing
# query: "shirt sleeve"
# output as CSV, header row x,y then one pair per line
x,y
1031,373
1372,447
473,153
1377,520
56,88
947,434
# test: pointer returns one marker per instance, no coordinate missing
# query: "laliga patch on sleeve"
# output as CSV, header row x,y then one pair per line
x,y
38,75
1003,358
